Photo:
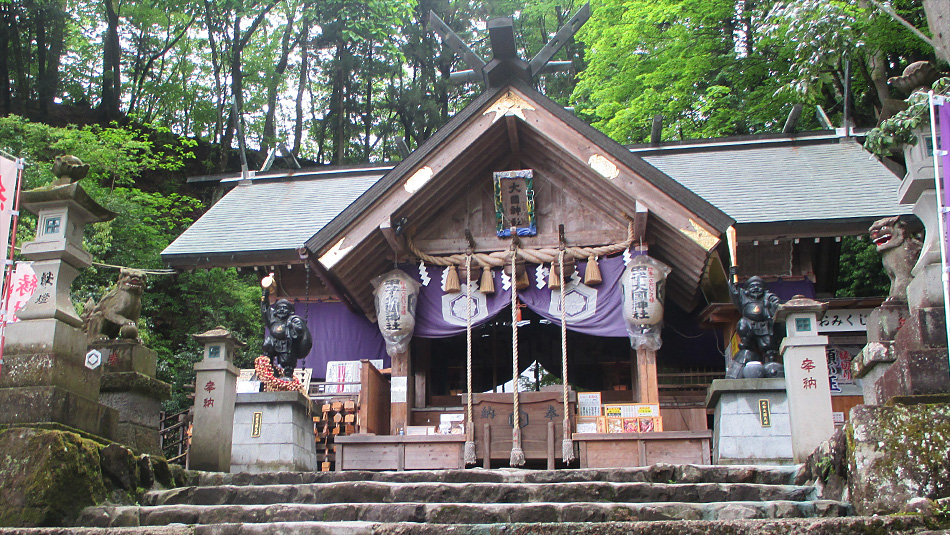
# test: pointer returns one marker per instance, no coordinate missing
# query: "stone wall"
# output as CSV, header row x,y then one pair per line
x,y
48,476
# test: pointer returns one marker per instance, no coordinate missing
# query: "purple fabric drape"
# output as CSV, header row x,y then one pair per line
x,y
339,334
592,310
786,290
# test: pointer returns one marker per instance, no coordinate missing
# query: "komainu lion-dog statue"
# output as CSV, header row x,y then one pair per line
x,y
117,313
899,240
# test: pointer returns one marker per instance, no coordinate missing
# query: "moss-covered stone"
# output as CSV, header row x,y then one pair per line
x,y
896,454
47,476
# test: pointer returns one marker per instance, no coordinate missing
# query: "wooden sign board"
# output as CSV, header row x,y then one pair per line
x,y
514,203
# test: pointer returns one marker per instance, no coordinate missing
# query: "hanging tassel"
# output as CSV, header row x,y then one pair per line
x,y
554,282
567,445
452,285
517,457
469,452
522,281
592,273
487,285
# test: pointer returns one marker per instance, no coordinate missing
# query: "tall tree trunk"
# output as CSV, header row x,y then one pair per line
x,y
938,20
111,62
302,84
6,26
269,139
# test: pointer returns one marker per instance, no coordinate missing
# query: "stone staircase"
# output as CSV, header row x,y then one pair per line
x,y
661,499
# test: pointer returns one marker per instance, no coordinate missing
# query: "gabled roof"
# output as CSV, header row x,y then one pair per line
x,y
805,185
508,128
270,217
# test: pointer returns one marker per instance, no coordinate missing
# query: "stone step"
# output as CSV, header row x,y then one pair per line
x,y
658,473
892,525
456,513
478,493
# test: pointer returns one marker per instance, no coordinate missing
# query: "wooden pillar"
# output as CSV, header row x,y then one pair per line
x,y
648,390
401,395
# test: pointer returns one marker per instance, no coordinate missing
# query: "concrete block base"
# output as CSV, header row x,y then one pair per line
x,y
285,441
739,436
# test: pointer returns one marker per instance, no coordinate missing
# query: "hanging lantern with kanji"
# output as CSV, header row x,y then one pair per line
x,y
644,289
396,294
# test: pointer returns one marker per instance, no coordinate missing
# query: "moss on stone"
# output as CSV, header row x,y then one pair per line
x,y
47,476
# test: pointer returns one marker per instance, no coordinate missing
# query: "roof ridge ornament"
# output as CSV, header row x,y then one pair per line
x,y
505,65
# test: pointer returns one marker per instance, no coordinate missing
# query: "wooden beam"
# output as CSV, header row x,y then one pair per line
x,y
640,222
396,243
561,38
333,284
515,144
648,390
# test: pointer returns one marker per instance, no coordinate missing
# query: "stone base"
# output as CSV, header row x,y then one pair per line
x,y
286,434
886,320
921,366
52,405
126,356
138,400
47,353
870,365
738,434
898,453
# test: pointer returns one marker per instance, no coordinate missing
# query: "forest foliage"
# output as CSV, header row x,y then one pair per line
x,y
147,93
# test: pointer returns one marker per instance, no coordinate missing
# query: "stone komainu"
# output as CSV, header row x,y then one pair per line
x,y
899,240
116,314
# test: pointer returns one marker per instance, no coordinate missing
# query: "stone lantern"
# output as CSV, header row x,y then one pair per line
x,y
215,391
806,375
48,377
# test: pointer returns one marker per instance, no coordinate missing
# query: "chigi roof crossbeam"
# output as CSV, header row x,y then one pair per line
x,y
505,65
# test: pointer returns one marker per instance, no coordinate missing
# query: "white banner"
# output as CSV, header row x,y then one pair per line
x,y
22,286
8,175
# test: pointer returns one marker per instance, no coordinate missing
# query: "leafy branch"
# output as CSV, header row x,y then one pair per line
x,y
898,130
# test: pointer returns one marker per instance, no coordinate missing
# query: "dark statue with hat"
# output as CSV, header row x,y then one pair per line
x,y
288,338
758,354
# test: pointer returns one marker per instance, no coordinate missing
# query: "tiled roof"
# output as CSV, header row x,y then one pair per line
x,y
763,183
272,215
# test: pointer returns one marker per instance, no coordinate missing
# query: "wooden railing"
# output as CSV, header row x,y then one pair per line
x,y
175,436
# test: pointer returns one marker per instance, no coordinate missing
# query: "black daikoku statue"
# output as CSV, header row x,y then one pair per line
x,y
755,330
288,337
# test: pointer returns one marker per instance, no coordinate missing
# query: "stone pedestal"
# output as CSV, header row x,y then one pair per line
x,y
273,432
129,385
751,421
921,367
878,355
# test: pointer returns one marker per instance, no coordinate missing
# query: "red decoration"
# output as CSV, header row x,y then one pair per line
x,y
265,372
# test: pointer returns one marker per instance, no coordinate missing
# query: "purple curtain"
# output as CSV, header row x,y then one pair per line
x,y
592,310
339,334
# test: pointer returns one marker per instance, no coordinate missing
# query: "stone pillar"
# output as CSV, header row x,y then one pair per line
x,y
46,377
806,375
215,393
130,387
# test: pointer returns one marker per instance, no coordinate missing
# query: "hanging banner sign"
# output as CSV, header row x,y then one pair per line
x,y
8,176
22,287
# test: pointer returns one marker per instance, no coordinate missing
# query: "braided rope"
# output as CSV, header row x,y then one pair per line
x,y
517,454
567,444
535,256
469,451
